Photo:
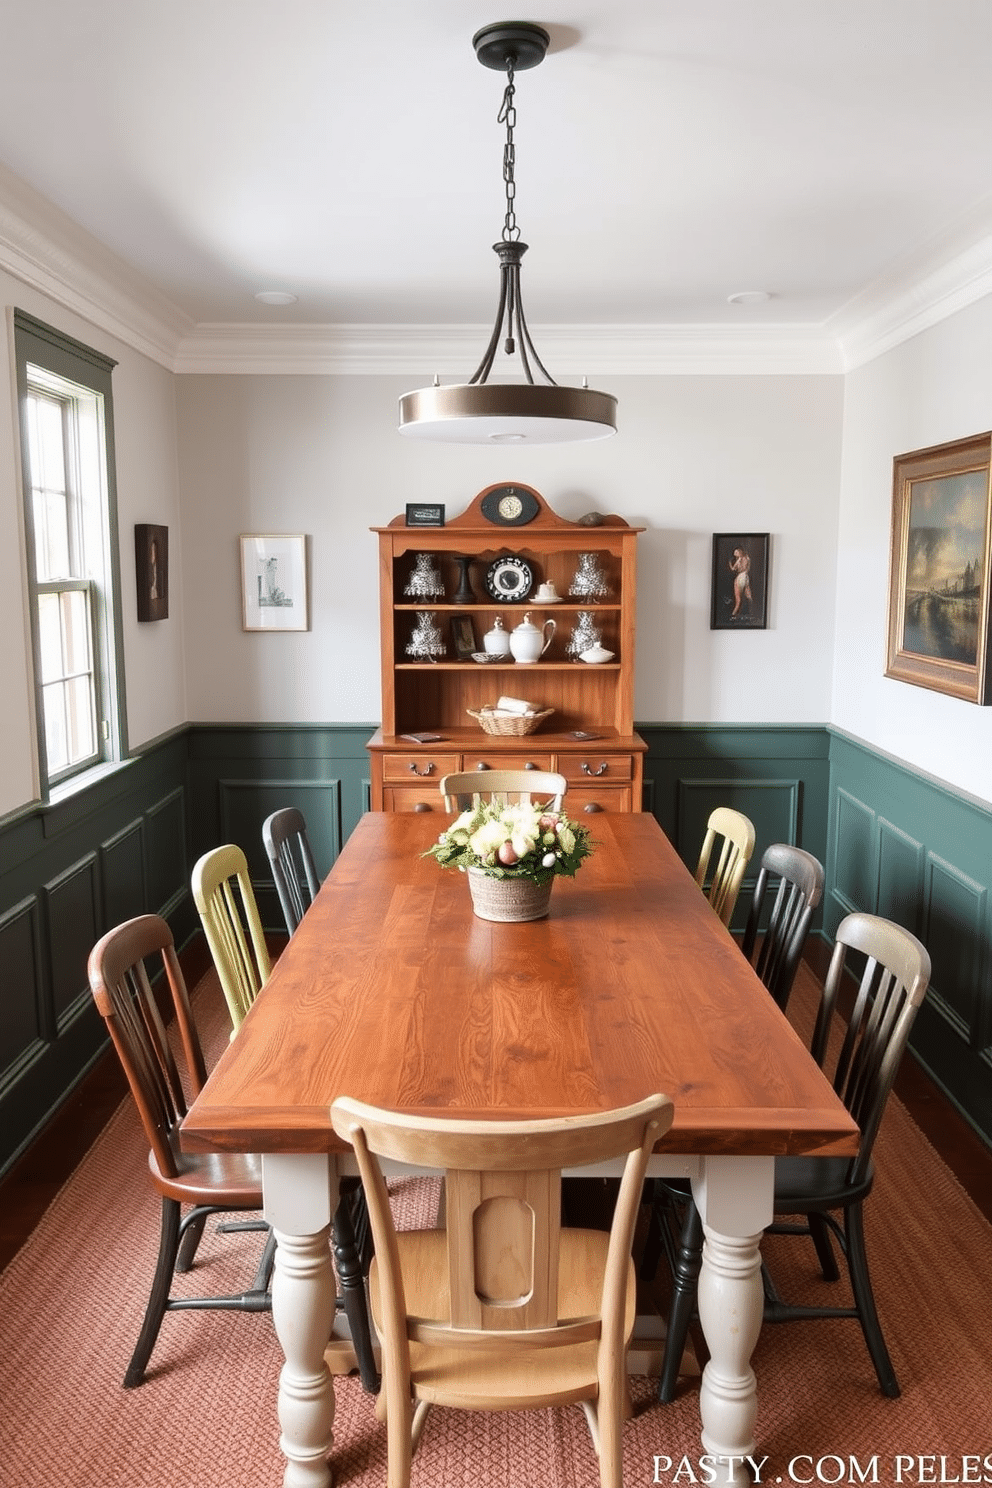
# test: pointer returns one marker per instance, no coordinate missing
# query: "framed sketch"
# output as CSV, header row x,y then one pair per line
x,y
151,570
424,514
463,637
739,591
274,581
938,628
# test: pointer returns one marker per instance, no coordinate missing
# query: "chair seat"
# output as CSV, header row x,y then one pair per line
x,y
812,1183
470,1378
231,1179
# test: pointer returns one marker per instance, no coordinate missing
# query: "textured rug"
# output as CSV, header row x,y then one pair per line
x,y
71,1303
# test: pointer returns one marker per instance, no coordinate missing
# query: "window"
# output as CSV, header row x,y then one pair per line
x,y
70,525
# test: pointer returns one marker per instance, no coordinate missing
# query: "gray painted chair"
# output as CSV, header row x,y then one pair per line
x,y
294,872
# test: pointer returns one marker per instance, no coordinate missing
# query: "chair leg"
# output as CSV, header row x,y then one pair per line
x,y
686,1278
191,1237
820,1234
349,1268
857,1261
155,1311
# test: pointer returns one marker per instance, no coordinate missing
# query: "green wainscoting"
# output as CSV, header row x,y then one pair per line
x,y
912,849
893,842
776,775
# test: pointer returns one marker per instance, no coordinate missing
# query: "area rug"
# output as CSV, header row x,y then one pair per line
x,y
71,1303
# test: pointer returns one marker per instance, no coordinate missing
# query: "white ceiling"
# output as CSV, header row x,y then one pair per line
x,y
669,153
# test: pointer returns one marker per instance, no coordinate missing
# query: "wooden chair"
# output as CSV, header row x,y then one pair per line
x,y
210,1183
503,1309
893,985
225,900
469,787
294,872
800,889
735,854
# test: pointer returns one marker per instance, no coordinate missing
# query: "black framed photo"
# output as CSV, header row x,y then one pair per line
x,y
424,514
463,637
739,594
151,570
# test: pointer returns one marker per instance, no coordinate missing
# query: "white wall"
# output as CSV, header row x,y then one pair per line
x,y
694,455
934,388
147,491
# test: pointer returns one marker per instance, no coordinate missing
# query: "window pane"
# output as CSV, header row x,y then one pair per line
x,y
55,728
76,632
82,734
50,636
48,480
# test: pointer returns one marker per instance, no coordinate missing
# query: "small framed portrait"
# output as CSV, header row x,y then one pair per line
x,y
151,570
939,620
274,581
463,637
739,593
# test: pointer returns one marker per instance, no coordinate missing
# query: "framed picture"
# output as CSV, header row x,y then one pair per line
x,y
274,581
463,637
424,514
151,570
739,592
938,627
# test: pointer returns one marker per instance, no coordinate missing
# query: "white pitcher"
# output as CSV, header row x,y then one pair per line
x,y
527,643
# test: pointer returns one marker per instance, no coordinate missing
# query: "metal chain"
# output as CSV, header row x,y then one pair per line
x,y
508,115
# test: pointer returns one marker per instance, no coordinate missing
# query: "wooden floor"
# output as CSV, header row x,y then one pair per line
x,y
29,1186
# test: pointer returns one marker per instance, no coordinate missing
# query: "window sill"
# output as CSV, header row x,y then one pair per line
x,y
71,801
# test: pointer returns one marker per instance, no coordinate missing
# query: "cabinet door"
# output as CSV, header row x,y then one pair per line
x,y
586,801
426,797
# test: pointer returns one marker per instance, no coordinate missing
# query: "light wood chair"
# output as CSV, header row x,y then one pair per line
x,y
893,985
203,1183
735,854
503,1309
469,787
294,871
226,904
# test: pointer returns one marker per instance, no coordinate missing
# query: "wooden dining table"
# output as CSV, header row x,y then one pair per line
x,y
393,992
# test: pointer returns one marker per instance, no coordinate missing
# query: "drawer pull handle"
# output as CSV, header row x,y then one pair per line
x,y
530,765
482,765
587,769
427,770
592,806
423,806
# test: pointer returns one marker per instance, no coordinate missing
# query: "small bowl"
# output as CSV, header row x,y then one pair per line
x,y
482,656
596,655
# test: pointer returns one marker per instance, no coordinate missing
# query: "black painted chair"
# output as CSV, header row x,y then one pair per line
x,y
800,889
294,873
811,1189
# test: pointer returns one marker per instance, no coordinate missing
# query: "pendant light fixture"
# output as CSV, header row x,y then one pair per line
x,y
520,412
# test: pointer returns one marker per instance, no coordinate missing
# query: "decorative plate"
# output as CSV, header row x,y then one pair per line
x,y
509,579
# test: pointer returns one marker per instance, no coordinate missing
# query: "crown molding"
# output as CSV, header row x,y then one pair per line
x,y
453,351
45,249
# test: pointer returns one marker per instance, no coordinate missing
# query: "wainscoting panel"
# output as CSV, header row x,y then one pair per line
x,y
122,873
911,849
167,861
74,924
22,1033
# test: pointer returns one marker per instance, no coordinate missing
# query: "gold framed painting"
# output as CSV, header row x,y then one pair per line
x,y
938,625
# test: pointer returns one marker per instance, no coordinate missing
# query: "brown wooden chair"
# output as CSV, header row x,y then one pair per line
x,y
503,1309
208,1183
468,787
893,984
735,854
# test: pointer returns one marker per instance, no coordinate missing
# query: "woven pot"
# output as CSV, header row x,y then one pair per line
x,y
508,898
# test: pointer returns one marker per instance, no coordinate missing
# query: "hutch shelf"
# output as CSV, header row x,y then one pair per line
x,y
422,695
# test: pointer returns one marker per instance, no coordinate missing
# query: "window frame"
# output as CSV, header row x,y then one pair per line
x,y
71,362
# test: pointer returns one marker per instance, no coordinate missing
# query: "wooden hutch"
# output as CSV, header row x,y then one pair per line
x,y
425,696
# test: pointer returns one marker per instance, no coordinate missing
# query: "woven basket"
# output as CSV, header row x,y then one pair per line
x,y
508,898
515,727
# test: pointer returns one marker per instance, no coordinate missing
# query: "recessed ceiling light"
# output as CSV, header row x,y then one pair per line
x,y
749,297
276,297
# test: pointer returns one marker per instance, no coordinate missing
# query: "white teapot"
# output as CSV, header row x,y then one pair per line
x,y
527,643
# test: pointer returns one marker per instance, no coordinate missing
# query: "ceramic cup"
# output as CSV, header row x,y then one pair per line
x,y
547,594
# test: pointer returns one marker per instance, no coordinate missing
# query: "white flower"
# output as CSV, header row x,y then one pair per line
x,y
486,839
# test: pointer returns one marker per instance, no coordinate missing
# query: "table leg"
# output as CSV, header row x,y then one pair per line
x,y
734,1197
300,1194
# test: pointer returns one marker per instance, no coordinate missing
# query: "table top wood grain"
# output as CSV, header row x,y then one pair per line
x,y
393,992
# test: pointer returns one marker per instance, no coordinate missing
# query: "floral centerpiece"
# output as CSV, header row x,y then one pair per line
x,y
521,845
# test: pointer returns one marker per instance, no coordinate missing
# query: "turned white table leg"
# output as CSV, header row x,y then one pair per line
x,y
734,1196
299,1195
